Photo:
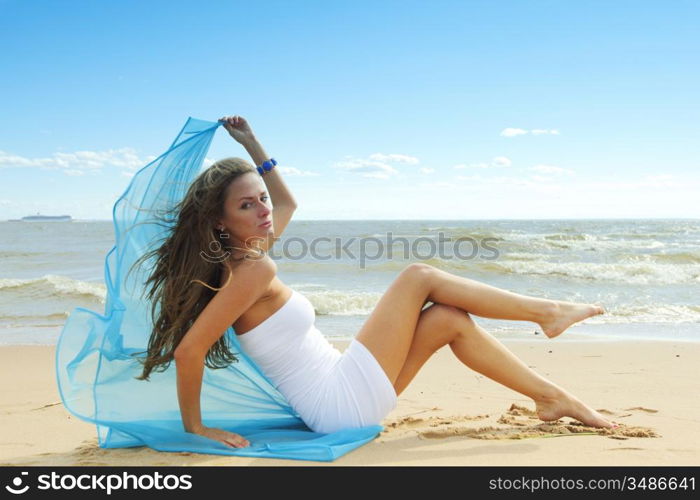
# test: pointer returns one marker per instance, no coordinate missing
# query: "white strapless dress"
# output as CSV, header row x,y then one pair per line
x,y
329,390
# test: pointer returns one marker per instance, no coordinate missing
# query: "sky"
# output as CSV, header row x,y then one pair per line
x,y
373,109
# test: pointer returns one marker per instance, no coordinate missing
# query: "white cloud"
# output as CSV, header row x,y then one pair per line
x,y
647,181
665,180
475,177
82,161
295,171
472,165
439,184
394,158
507,181
376,175
367,168
498,161
427,170
72,172
512,132
550,169
501,161
8,160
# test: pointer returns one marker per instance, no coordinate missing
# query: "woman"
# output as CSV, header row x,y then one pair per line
x,y
213,272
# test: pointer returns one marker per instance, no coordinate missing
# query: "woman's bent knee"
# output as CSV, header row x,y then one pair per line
x,y
449,321
418,270
457,319
445,314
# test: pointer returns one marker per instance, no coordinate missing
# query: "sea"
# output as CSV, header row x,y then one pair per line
x,y
645,272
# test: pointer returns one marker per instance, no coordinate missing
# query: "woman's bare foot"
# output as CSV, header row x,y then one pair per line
x,y
566,405
565,314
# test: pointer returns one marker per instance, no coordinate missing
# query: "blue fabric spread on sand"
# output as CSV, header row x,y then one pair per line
x,y
95,368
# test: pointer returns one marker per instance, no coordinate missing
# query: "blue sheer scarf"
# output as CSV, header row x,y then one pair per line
x,y
95,366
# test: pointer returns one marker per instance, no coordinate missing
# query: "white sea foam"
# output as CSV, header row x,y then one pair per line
x,y
345,303
342,303
51,284
632,272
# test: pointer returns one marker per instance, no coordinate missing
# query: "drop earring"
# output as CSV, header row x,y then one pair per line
x,y
222,234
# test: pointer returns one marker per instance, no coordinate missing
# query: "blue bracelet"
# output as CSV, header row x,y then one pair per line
x,y
267,166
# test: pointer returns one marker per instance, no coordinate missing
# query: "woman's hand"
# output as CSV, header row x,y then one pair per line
x,y
239,128
228,438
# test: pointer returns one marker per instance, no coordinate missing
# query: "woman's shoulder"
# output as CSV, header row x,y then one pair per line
x,y
257,264
259,269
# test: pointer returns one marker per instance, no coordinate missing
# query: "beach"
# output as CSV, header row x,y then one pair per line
x,y
636,364
448,415
525,154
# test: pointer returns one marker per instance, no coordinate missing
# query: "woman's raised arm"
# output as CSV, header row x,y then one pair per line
x,y
240,130
283,203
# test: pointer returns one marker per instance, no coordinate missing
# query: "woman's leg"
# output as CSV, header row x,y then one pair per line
x,y
438,325
441,325
388,332
390,327
480,299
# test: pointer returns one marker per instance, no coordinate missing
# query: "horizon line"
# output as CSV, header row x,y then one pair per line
x,y
428,220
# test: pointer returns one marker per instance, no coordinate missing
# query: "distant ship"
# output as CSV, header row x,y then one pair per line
x,y
46,218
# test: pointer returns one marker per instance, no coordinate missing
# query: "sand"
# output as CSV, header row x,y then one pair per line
x,y
449,414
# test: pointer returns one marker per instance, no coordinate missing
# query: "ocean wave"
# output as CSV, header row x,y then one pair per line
x,y
503,241
635,236
309,286
335,266
633,269
518,240
477,235
11,253
56,316
342,303
345,303
589,243
650,313
570,237
676,258
641,272
53,285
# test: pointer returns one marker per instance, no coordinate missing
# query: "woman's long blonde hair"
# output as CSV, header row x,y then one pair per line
x,y
188,261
